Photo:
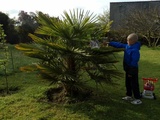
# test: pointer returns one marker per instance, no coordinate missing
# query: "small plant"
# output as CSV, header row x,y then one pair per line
x,y
4,55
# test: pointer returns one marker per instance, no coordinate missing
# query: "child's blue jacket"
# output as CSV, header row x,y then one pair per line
x,y
131,53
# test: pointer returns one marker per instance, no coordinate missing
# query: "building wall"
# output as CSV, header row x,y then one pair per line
x,y
120,10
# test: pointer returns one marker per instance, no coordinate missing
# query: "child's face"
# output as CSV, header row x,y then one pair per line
x,y
130,42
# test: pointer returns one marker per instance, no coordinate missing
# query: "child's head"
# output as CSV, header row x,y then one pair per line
x,y
132,38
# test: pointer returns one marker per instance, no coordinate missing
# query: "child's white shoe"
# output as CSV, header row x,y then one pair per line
x,y
128,98
136,102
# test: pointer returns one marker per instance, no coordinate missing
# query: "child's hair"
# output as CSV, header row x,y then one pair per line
x,y
133,36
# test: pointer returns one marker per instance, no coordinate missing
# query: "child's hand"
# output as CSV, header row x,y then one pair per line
x,y
105,43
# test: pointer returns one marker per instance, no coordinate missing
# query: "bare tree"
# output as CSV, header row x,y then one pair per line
x,y
146,23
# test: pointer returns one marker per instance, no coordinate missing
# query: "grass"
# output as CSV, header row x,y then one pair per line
x,y
24,104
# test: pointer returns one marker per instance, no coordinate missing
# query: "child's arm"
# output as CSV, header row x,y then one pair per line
x,y
117,44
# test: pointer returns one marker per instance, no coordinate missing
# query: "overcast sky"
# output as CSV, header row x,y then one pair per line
x,y
55,7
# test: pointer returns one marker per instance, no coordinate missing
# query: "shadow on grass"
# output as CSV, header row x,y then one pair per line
x,y
11,90
109,106
113,108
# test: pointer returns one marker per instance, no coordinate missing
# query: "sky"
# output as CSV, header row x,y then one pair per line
x,y
55,7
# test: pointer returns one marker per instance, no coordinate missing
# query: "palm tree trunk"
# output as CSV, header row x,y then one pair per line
x,y
72,65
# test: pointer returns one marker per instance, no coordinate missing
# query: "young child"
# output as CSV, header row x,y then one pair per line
x,y
130,65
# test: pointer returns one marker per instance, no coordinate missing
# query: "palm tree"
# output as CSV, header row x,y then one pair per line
x,y
66,59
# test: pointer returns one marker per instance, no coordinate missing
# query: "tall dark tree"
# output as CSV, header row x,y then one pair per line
x,y
27,24
4,20
9,28
12,33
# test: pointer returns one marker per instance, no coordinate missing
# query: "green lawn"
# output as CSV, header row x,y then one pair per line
x,y
27,88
